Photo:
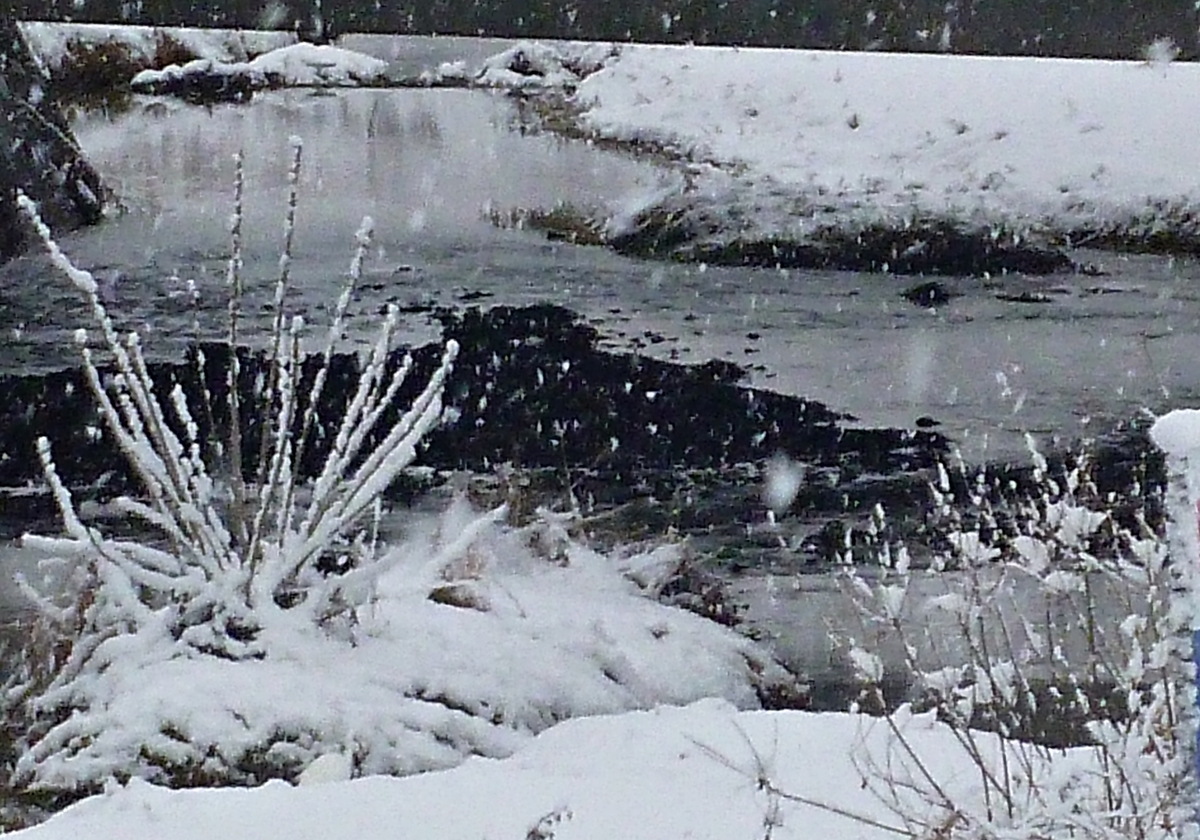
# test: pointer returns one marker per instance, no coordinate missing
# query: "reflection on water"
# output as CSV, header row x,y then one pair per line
x,y
422,163
425,165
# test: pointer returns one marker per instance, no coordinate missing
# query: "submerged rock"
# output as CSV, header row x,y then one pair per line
x,y
38,154
928,295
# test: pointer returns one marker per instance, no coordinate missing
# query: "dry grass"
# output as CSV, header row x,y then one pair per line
x,y
96,75
564,222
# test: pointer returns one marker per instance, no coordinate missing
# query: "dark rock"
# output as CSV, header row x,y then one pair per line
x,y
38,154
929,294
1024,297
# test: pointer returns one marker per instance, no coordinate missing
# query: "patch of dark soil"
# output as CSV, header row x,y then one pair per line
x,y
1169,227
689,230
938,248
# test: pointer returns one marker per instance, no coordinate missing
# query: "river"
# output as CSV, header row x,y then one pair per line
x,y
430,166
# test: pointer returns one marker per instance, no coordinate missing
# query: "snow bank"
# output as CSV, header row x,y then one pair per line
x,y
801,139
523,631
538,65
671,772
298,65
311,65
53,42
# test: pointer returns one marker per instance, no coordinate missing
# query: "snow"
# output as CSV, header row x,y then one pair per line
x,y
274,55
312,65
1018,141
669,772
51,41
529,64
174,73
459,657
1178,432
298,65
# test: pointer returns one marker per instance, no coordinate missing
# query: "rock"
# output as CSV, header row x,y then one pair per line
x,y
928,295
330,767
38,154
201,82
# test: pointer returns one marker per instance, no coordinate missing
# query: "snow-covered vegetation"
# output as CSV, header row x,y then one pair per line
x,y
1063,622
54,43
297,65
256,621
536,65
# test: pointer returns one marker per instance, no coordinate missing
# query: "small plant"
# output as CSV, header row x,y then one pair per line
x,y
1160,52
236,546
564,222
251,621
1048,623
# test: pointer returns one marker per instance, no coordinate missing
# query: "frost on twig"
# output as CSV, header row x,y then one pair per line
x,y
1048,620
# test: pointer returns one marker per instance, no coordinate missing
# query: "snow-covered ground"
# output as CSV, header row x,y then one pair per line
x,y
668,773
842,137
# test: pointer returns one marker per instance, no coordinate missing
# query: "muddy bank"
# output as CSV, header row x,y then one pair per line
x,y
912,246
724,218
688,229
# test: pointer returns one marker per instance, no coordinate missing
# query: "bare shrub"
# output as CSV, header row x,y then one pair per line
x,y
1043,606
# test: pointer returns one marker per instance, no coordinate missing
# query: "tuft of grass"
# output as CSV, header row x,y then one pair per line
x,y
564,222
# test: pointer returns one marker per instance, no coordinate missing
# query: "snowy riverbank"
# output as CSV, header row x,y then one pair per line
x,y
481,655
903,163
787,145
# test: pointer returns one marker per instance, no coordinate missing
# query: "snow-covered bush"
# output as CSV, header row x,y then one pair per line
x,y
1050,622
533,65
210,645
235,555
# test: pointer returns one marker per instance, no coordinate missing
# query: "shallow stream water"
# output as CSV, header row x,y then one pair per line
x,y
429,167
